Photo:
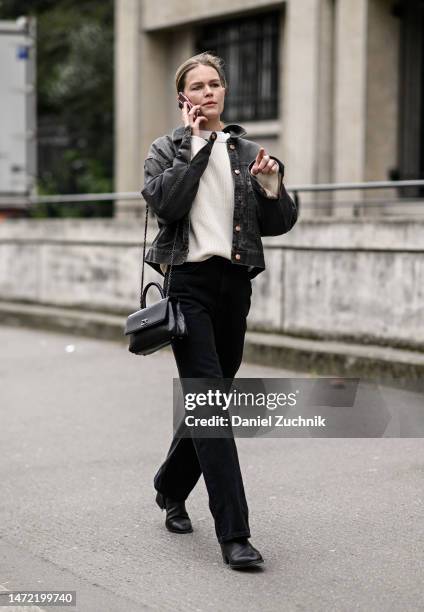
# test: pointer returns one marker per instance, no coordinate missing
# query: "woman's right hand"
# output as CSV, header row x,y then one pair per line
x,y
189,118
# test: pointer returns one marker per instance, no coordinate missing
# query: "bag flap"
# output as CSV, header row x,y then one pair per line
x,y
147,317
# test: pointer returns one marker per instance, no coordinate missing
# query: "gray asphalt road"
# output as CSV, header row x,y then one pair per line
x,y
84,426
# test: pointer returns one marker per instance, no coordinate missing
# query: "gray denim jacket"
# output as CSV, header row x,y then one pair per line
x,y
171,181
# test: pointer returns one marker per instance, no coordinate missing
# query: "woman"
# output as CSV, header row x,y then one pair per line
x,y
214,194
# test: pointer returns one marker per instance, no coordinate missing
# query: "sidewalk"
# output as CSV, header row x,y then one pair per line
x,y
301,354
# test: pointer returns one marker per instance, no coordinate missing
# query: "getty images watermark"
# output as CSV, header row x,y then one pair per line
x,y
289,407
225,401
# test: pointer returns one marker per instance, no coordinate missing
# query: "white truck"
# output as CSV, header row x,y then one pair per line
x,y
18,120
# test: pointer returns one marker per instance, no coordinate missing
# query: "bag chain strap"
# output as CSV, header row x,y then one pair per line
x,y
168,273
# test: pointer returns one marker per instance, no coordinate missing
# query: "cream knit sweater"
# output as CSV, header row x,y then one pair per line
x,y
211,215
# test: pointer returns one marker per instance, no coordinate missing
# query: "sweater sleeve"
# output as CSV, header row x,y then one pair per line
x,y
271,183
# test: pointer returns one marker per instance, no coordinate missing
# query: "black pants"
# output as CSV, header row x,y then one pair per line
x,y
215,299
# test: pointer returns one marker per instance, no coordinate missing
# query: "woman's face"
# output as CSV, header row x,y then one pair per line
x,y
203,86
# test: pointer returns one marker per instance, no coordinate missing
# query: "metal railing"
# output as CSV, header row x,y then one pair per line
x,y
362,205
84,197
360,186
33,200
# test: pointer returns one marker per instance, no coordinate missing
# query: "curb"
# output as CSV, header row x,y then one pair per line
x,y
299,354
331,358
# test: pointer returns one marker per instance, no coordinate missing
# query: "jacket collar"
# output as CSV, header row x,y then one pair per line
x,y
235,131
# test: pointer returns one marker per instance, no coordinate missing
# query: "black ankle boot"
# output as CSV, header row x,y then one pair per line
x,y
239,553
177,519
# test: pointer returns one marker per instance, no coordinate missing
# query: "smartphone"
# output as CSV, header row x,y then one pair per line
x,y
182,98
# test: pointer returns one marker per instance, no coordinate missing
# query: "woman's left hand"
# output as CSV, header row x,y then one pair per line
x,y
263,164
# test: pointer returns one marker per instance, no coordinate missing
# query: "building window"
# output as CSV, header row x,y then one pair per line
x,y
411,107
250,50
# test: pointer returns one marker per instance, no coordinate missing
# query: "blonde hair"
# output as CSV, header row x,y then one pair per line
x,y
206,59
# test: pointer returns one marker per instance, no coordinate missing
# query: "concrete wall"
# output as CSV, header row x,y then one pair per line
x,y
359,279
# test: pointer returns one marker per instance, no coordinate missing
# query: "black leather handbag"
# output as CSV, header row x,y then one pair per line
x,y
155,326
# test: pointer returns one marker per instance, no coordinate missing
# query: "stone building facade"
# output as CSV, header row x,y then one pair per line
x,y
332,87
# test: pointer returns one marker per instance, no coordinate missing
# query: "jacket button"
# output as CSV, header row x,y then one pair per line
x,y
232,146
236,171
238,256
237,228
